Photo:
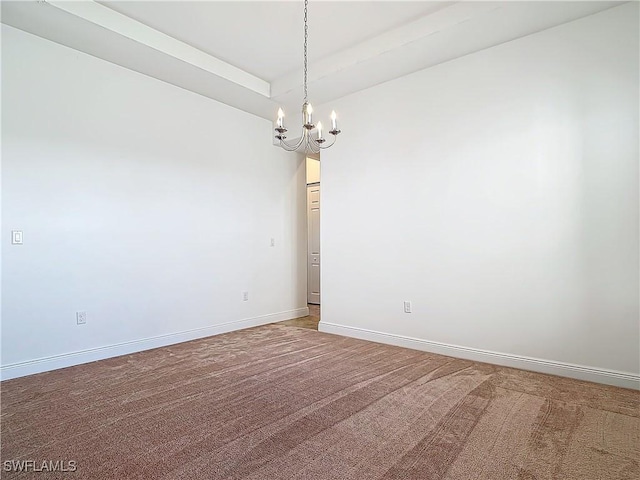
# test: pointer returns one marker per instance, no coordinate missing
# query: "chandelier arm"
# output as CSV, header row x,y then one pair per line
x,y
310,149
312,146
327,145
290,147
321,145
286,147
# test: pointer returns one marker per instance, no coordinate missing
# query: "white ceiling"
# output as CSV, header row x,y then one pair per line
x,y
265,38
249,54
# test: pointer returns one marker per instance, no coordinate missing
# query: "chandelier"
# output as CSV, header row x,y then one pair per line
x,y
307,140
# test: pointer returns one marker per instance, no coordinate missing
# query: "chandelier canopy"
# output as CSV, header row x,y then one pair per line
x,y
306,141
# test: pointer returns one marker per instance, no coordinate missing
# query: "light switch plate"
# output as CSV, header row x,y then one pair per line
x,y
16,237
407,307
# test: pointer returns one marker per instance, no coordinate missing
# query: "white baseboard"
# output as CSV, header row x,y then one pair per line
x,y
598,375
29,367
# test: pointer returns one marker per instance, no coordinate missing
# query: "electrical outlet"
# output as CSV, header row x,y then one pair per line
x,y
245,296
273,242
81,318
407,307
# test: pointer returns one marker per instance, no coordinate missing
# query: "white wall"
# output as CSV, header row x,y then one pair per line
x,y
498,193
149,207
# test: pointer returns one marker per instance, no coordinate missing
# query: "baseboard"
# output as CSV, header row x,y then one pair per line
x,y
609,377
21,369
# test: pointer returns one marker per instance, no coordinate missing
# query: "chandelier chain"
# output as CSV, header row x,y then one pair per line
x,y
306,2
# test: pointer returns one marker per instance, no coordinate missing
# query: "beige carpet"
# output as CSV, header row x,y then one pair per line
x,y
277,402
310,321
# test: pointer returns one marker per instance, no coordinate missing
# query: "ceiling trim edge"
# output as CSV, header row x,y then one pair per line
x,y
104,17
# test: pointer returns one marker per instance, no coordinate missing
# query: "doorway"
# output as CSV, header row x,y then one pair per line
x,y
312,172
313,231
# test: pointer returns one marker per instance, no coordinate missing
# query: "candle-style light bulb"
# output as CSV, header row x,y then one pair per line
x,y
319,130
334,124
280,117
309,112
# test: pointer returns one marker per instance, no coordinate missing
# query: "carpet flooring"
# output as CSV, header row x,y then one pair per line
x,y
310,321
277,402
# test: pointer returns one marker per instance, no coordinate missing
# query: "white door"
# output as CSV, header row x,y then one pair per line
x,y
313,249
